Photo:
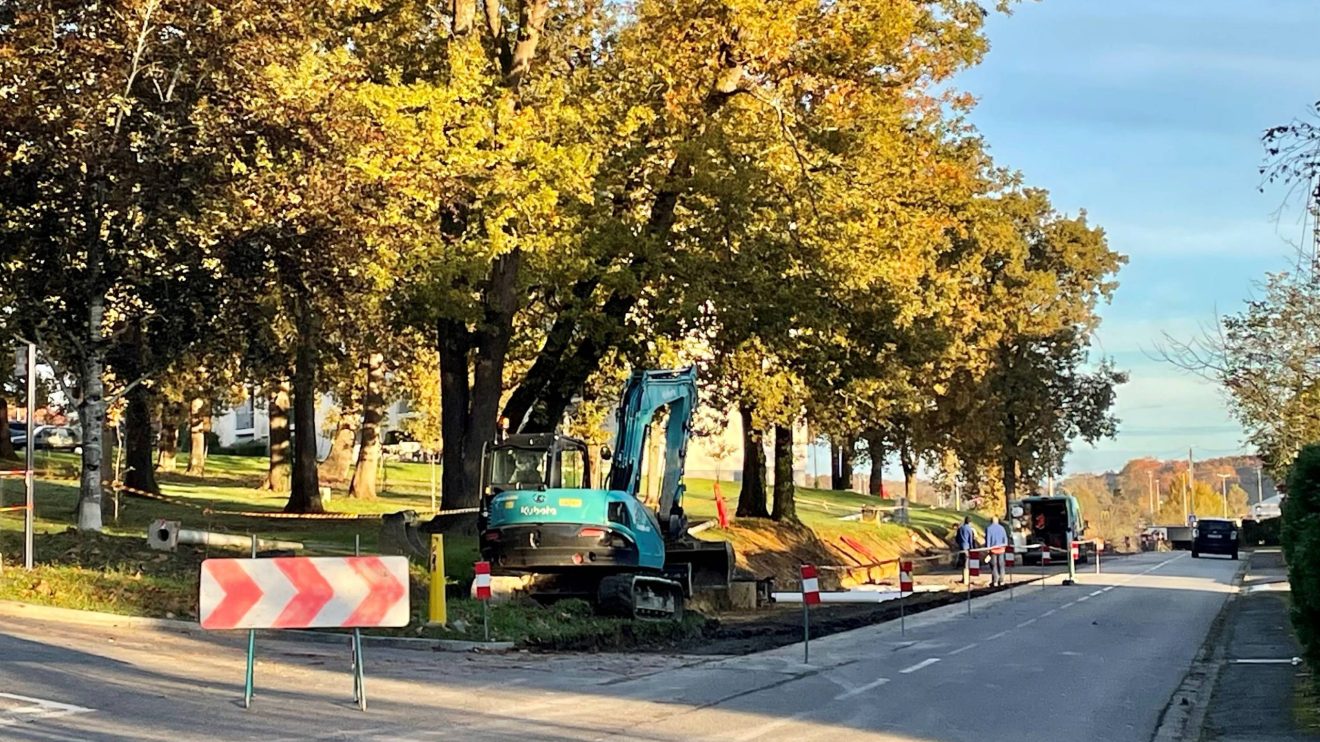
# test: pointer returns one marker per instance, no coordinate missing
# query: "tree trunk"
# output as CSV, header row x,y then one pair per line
x,y
751,501
91,416
471,382
373,405
875,446
277,478
1009,474
199,424
167,446
139,474
784,507
909,464
847,454
6,445
836,468
337,464
305,494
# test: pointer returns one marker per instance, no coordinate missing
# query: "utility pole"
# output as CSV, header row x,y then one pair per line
x,y
1190,493
1150,486
1223,480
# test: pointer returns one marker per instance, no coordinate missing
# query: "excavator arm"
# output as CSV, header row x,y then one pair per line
x,y
645,395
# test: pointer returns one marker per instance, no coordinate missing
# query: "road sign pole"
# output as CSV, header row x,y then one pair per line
x,y
437,612
806,633
252,645
485,618
359,676
1072,562
1010,561
28,456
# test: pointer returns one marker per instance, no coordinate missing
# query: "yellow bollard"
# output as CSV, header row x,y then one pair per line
x,y
436,611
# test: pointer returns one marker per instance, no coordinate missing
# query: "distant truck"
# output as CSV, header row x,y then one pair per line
x,y
1050,520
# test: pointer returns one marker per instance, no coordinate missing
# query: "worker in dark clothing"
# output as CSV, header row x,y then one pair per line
x,y
965,541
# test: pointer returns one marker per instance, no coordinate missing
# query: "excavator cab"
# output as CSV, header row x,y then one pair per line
x,y
536,461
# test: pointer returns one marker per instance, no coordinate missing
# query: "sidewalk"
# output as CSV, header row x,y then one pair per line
x,y
1253,701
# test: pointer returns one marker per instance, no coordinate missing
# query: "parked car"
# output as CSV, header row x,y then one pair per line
x,y
1215,536
399,445
50,438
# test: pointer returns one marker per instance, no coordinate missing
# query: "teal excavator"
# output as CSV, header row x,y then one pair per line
x,y
547,532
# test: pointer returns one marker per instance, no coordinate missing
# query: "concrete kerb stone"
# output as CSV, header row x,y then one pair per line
x,y
1184,715
114,620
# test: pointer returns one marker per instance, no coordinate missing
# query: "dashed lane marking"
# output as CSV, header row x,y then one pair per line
x,y
960,650
924,663
859,690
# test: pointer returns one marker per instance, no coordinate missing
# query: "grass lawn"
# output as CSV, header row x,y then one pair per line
x,y
116,572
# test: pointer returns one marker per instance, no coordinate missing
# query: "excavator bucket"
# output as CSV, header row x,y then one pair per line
x,y
400,535
711,562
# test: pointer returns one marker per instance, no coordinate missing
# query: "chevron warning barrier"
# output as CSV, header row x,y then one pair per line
x,y
304,592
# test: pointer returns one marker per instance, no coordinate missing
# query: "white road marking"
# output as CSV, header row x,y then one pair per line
x,y
924,663
1000,635
1050,612
960,650
1083,598
1027,622
1097,592
1282,661
1111,587
859,690
40,708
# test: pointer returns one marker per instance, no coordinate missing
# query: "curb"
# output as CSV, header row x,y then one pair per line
x,y
34,611
1184,715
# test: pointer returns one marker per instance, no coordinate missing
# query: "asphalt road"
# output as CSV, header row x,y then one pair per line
x,y
1093,661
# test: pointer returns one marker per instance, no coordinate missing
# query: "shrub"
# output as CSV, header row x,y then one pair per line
x,y
1299,534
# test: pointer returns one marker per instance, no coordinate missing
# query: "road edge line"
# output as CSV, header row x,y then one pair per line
x,y
1186,710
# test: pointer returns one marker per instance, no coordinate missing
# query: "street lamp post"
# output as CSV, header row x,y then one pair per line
x,y
1223,479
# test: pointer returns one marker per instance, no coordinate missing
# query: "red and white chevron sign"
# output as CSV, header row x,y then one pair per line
x,y
810,585
905,577
481,580
304,592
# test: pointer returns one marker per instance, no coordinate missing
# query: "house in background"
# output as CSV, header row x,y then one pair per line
x,y
249,422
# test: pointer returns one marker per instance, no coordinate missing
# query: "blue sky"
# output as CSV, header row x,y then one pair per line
x,y
1148,114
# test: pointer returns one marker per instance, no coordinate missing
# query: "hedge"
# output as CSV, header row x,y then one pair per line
x,y
1299,533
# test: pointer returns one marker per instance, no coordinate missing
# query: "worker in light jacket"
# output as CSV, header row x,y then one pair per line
x,y
996,539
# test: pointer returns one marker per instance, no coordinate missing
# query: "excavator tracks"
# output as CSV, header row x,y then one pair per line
x,y
642,597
